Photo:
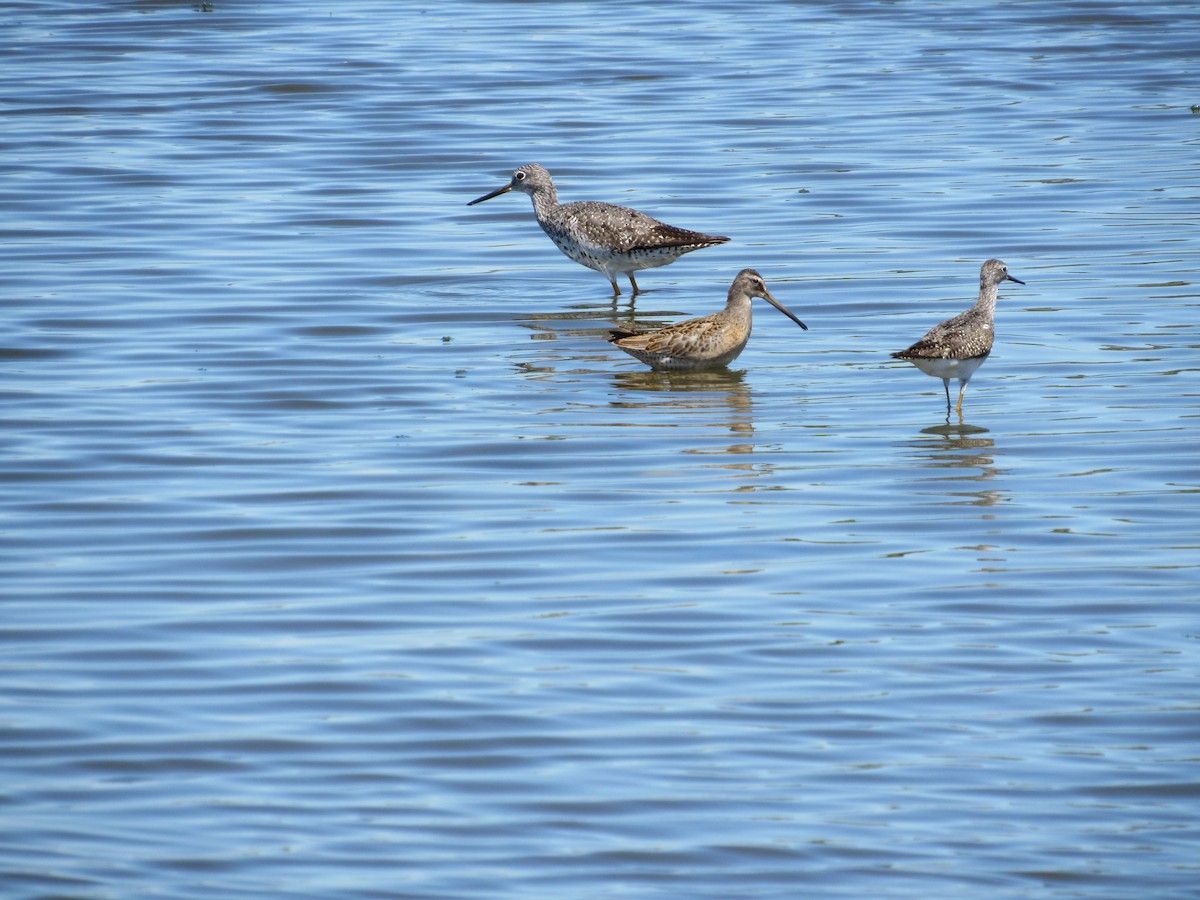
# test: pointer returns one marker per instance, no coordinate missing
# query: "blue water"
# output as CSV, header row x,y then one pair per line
x,y
342,556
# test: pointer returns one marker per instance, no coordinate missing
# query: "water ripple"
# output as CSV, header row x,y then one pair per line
x,y
343,556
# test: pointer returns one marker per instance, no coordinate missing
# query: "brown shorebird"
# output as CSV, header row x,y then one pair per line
x,y
706,342
602,236
958,346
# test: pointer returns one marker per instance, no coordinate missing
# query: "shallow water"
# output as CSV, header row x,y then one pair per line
x,y
342,556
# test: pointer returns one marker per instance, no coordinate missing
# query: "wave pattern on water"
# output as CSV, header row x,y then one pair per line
x,y
343,556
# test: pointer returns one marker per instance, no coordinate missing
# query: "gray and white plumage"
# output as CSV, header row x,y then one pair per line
x,y
957,347
709,341
603,236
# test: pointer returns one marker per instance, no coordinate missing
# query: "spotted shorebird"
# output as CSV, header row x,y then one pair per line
x,y
958,346
706,342
602,236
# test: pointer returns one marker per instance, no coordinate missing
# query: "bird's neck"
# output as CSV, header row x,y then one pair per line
x,y
739,306
987,298
544,198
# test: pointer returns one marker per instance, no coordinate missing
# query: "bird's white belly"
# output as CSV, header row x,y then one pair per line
x,y
949,368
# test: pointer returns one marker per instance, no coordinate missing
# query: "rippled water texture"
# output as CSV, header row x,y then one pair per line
x,y
342,556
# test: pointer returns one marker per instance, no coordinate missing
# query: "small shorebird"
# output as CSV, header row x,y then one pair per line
x,y
706,342
602,236
958,346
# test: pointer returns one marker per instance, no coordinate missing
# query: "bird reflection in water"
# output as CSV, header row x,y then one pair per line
x,y
964,452
720,390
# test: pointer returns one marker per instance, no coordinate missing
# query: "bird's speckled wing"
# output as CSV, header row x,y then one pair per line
x,y
954,338
663,235
684,339
618,228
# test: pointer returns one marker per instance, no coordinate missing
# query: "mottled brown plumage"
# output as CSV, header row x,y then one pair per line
x,y
603,236
706,342
959,346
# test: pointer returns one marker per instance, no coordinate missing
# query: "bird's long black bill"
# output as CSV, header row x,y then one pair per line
x,y
783,309
1006,277
496,193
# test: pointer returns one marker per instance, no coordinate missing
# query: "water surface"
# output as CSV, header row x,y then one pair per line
x,y
342,556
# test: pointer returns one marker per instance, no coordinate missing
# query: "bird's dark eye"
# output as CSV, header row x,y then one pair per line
x,y
520,176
